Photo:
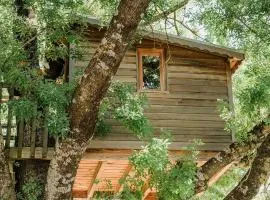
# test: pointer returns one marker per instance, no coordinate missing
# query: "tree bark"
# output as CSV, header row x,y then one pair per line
x,y
256,176
88,95
7,189
235,152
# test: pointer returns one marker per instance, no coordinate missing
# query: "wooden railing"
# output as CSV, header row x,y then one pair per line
x,y
19,134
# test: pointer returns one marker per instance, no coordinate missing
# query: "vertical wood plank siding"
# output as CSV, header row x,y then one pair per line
x,y
195,80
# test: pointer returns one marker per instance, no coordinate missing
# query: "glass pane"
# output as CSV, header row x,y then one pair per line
x,y
151,72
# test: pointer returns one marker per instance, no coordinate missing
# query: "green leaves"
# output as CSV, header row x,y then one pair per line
x,y
173,181
54,99
23,108
153,159
126,106
31,190
130,110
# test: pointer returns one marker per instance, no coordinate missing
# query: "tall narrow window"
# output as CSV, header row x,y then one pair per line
x,y
151,73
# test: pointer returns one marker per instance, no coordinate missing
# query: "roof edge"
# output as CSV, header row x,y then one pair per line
x,y
195,44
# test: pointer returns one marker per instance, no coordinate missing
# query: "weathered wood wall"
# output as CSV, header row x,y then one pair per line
x,y
195,80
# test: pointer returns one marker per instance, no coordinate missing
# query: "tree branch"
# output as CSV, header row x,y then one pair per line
x,y
235,152
257,175
191,30
175,24
165,13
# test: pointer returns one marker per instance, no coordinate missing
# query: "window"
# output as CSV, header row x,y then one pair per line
x,y
151,73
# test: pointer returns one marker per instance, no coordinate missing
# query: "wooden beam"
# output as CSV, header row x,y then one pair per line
x,y
145,189
146,193
119,187
26,153
120,144
97,176
123,154
102,154
150,192
216,177
45,136
33,138
20,137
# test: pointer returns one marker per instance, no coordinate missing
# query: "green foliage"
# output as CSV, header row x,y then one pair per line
x,y
54,100
224,185
52,30
172,181
179,182
31,190
23,109
152,159
125,105
130,111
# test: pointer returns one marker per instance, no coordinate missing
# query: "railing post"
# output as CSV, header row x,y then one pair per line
x,y
45,137
9,118
33,138
20,137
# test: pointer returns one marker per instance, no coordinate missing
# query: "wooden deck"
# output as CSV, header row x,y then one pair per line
x,y
101,169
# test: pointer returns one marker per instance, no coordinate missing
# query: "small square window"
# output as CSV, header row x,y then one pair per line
x,y
151,74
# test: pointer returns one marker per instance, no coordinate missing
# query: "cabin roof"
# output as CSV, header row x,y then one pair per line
x,y
235,56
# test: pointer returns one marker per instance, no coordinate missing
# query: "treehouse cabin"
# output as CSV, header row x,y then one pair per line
x,y
182,79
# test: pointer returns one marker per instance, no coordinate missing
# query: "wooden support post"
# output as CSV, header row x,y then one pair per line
x,y
217,176
119,187
97,175
20,137
11,169
9,122
33,138
45,136
45,141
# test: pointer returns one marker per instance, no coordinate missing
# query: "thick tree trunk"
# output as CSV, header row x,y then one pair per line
x,y
7,189
89,94
235,152
256,177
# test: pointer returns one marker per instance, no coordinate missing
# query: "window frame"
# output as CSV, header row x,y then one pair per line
x,y
162,73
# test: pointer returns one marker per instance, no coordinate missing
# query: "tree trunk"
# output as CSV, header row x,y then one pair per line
x,y
7,189
235,152
88,95
256,177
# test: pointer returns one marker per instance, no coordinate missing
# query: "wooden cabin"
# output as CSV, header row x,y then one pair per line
x,y
182,79
190,77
